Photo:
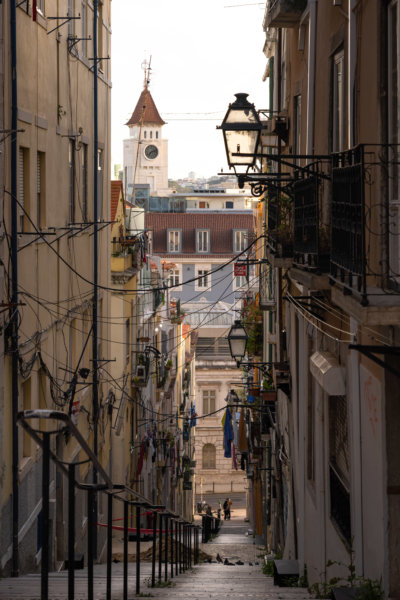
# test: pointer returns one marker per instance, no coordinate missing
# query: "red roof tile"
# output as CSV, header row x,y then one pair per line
x,y
145,111
116,193
219,224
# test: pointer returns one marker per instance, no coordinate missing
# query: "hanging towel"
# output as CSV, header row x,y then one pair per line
x,y
228,434
243,447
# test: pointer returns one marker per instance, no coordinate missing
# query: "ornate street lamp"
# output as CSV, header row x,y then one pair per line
x,y
237,339
241,129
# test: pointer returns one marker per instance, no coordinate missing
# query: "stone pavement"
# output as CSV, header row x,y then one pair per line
x,y
205,581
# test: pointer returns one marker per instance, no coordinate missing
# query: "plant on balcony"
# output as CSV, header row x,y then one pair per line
x,y
252,322
168,365
268,391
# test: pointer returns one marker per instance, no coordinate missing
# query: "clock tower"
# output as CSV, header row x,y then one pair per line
x,y
145,151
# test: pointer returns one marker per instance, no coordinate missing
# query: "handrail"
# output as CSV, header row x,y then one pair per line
x,y
180,552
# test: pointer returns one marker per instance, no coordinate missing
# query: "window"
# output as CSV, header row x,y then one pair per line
x,y
71,166
208,457
145,134
297,125
156,135
393,138
40,6
100,184
240,281
40,189
70,14
208,401
174,240
84,159
311,430
173,279
338,103
203,204
23,188
151,135
229,204
339,467
84,27
239,240
100,34
202,282
127,346
203,240
26,396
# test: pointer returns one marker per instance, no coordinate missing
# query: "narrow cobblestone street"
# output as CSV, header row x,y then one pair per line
x,y
207,580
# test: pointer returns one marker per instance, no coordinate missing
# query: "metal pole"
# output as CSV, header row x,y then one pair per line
x,y
138,549
166,549
160,548
109,545
90,541
176,549
180,547
71,531
95,357
153,558
172,548
14,287
125,586
45,513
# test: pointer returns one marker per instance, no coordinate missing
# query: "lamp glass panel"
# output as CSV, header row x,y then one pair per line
x,y
246,115
244,142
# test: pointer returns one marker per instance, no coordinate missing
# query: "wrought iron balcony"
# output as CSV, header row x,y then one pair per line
x,y
284,13
280,227
311,244
348,253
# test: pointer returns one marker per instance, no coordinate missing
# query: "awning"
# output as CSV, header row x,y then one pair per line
x,y
325,368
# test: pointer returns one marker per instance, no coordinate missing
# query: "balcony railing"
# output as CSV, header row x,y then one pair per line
x,y
178,540
311,243
348,254
284,13
280,228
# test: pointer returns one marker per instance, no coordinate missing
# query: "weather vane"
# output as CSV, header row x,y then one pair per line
x,y
146,66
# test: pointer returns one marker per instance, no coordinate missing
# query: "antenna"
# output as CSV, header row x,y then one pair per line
x,y
146,66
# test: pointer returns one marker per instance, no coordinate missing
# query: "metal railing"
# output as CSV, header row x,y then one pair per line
x,y
310,244
181,538
348,255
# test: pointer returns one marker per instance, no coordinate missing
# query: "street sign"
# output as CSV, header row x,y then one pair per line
x,y
240,269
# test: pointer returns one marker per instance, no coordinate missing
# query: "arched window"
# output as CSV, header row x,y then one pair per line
x,y
151,135
209,456
156,135
145,134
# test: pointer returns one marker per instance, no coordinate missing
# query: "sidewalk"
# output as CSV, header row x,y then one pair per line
x,y
208,580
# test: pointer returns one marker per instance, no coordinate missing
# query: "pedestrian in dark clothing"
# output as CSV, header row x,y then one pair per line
x,y
225,506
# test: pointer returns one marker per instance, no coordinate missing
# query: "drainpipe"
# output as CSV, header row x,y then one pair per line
x,y
352,84
312,29
14,287
95,258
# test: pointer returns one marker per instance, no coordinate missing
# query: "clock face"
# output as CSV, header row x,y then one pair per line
x,y
151,152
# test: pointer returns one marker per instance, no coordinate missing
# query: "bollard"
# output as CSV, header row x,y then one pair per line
x,y
125,588
166,549
176,549
153,557
71,531
172,548
45,509
109,544
138,507
160,549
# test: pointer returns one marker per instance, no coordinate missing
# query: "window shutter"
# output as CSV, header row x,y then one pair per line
x,y
21,180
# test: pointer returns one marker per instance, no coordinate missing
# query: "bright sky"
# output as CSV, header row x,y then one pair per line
x,y
202,54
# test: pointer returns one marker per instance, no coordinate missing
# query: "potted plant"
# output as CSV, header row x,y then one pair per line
x,y
268,391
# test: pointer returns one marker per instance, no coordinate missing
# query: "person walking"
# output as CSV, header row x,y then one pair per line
x,y
229,508
225,506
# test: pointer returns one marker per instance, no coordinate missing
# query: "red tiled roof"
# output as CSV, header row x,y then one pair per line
x,y
219,224
116,193
145,111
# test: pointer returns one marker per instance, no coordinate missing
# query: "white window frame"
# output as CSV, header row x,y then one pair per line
x,y
200,271
176,245
208,401
338,107
175,273
202,241
240,240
